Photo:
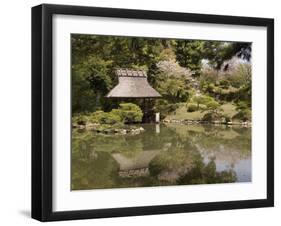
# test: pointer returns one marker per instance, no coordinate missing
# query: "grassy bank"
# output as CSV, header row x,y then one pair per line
x,y
227,111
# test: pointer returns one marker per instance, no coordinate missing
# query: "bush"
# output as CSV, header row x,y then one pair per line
x,y
129,113
172,107
203,107
226,118
243,105
110,118
212,116
224,83
212,105
243,115
191,107
104,118
80,119
201,99
164,107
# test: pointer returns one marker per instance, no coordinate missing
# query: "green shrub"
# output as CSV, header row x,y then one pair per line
x,y
201,99
212,116
172,107
210,88
243,115
162,106
203,107
129,113
104,118
191,107
94,117
212,105
243,105
80,119
226,118
224,83
110,118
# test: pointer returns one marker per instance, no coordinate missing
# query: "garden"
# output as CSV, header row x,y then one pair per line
x,y
199,82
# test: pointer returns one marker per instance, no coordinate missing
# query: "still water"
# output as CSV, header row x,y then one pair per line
x,y
171,154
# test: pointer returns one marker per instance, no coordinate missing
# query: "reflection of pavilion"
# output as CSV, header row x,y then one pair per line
x,y
137,166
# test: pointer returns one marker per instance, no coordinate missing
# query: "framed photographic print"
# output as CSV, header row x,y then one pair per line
x,y
146,112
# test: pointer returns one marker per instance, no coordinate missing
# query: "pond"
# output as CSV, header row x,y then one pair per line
x,y
165,154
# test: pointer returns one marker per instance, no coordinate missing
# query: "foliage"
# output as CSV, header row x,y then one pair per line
x,y
126,113
171,68
172,89
164,107
212,116
177,161
191,107
203,173
80,119
243,115
105,117
129,112
94,59
212,105
181,113
189,54
201,99
90,77
171,81
216,52
81,88
243,105
176,69
233,85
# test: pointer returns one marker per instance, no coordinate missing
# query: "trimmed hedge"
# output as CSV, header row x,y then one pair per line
x,y
126,113
129,113
191,107
243,115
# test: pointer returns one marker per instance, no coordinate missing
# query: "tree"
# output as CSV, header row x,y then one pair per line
x,y
189,54
212,105
172,89
90,78
94,59
201,99
171,81
217,52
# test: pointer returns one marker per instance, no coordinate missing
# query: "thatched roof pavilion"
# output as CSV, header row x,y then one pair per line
x,y
132,84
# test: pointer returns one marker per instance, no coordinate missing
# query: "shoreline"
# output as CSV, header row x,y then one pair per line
x,y
137,128
190,122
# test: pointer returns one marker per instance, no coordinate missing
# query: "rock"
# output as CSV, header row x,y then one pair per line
x,y
91,125
135,131
123,131
81,127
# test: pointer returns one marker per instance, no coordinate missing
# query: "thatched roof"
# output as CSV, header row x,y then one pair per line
x,y
132,84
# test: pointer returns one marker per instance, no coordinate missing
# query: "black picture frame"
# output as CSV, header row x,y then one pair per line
x,y
42,111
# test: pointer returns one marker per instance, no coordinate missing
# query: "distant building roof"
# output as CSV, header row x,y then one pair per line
x,y
132,84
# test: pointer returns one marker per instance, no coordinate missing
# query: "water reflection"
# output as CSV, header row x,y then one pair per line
x,y
170,154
